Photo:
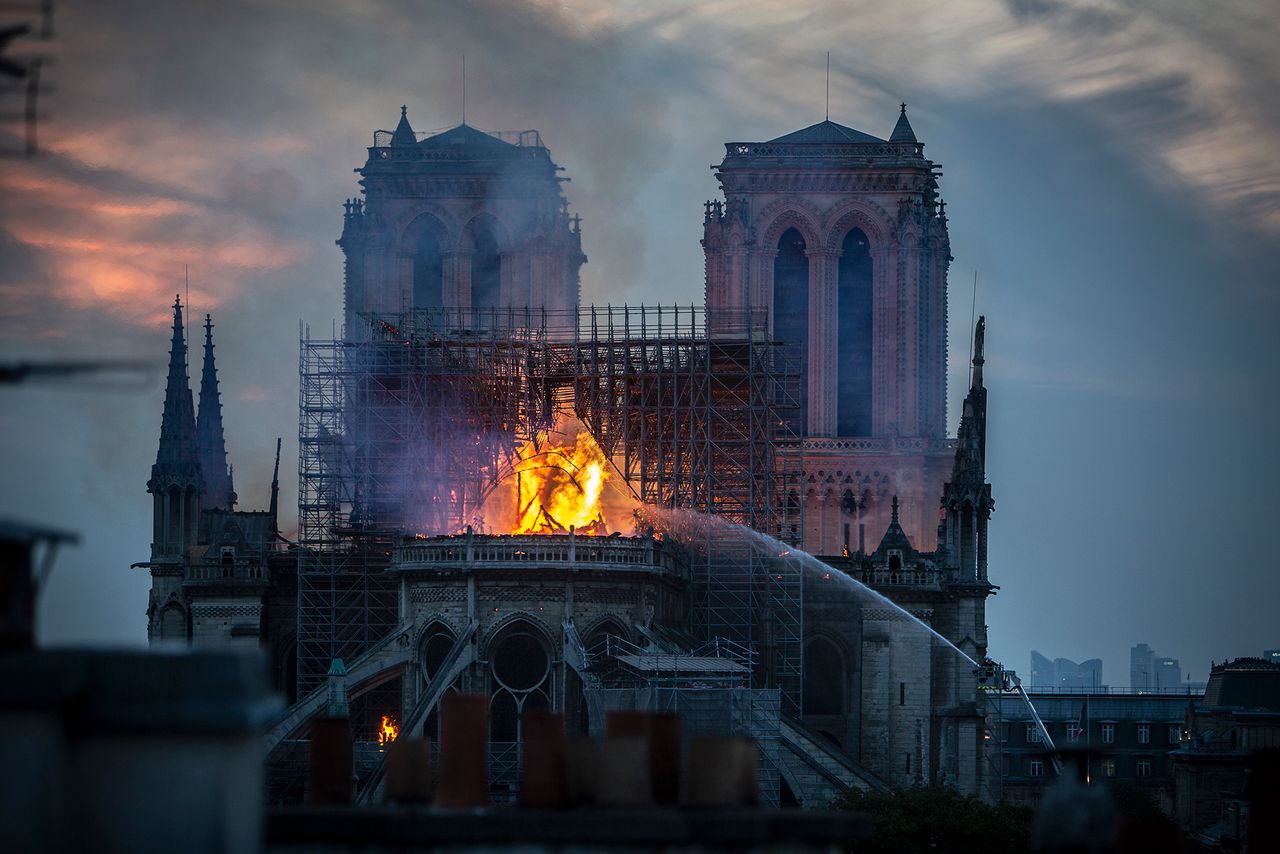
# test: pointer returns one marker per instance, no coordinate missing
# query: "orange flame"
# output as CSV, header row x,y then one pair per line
x,y
560,486
388,732
559,480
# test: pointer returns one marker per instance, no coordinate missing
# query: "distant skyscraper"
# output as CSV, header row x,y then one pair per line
x,y
1168,673
1065,673
1272,655
1149,671
1142,667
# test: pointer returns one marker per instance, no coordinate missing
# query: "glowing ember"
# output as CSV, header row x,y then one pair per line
x,y
558,486
388,732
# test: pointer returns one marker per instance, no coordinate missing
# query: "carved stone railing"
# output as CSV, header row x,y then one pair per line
x,y
860,151
238,572
572,551
898,445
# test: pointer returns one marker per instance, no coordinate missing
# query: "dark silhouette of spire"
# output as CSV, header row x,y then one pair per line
x,y
902,131
218,490
403,134
971,449
275,492
176,479
176,457
966,497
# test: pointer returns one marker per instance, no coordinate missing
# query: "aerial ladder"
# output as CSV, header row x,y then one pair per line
x,y
994,679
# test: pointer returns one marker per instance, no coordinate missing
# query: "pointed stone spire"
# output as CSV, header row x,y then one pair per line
x,y
902,131
894,537
275,492
218,490
176,458
176,480
403,134
971,438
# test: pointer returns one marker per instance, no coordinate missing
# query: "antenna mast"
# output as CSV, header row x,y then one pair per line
x,y
827,117
464,88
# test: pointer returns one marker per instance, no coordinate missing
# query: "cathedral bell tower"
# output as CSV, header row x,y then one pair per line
x,y
842,238
465,221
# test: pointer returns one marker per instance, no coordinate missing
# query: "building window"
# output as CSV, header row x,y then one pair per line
x,y
1033,734
902,693
1035,768
1144,767
1175,733
1144,733
1073,731
1109,734
1109,768
907,756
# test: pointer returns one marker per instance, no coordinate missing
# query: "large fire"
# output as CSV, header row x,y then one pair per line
x,y
559,486
560,481
388,731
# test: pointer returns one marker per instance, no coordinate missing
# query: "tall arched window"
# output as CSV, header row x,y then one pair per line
x,y
428,272
791,312
486,270
853,412
823,678
520,666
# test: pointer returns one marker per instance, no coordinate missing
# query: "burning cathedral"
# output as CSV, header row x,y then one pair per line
x,y
505,492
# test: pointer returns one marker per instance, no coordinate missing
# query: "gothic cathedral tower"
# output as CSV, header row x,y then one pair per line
x,y
842,238
464,221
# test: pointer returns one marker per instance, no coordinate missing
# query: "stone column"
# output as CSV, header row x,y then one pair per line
x,y
759,284
909,366
823,321
455,287
884,337
514,278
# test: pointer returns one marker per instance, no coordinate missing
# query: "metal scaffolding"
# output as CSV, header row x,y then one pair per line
x,y
695,410
409,424
405,429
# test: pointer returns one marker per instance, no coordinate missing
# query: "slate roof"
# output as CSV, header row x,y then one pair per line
x,y
827,131
465,135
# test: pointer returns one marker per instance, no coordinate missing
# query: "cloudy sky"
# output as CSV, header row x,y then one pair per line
x,y
1112,180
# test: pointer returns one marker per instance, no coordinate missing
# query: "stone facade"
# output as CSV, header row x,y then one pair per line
x,y
1128,736
842,238
463,221
1226,763
521,594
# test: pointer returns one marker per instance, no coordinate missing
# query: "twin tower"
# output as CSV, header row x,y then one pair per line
x,y
839,236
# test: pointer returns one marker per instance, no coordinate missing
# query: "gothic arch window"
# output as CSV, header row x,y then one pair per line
x,y
600,631
433,648
968,542
791,312
173,526
486,269
428,271
520,670
824,678
853,412
173,624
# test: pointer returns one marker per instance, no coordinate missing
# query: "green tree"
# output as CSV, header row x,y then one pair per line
x,y
939,819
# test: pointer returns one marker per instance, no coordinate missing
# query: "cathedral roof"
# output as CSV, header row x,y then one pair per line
x,y
466,135
826,131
